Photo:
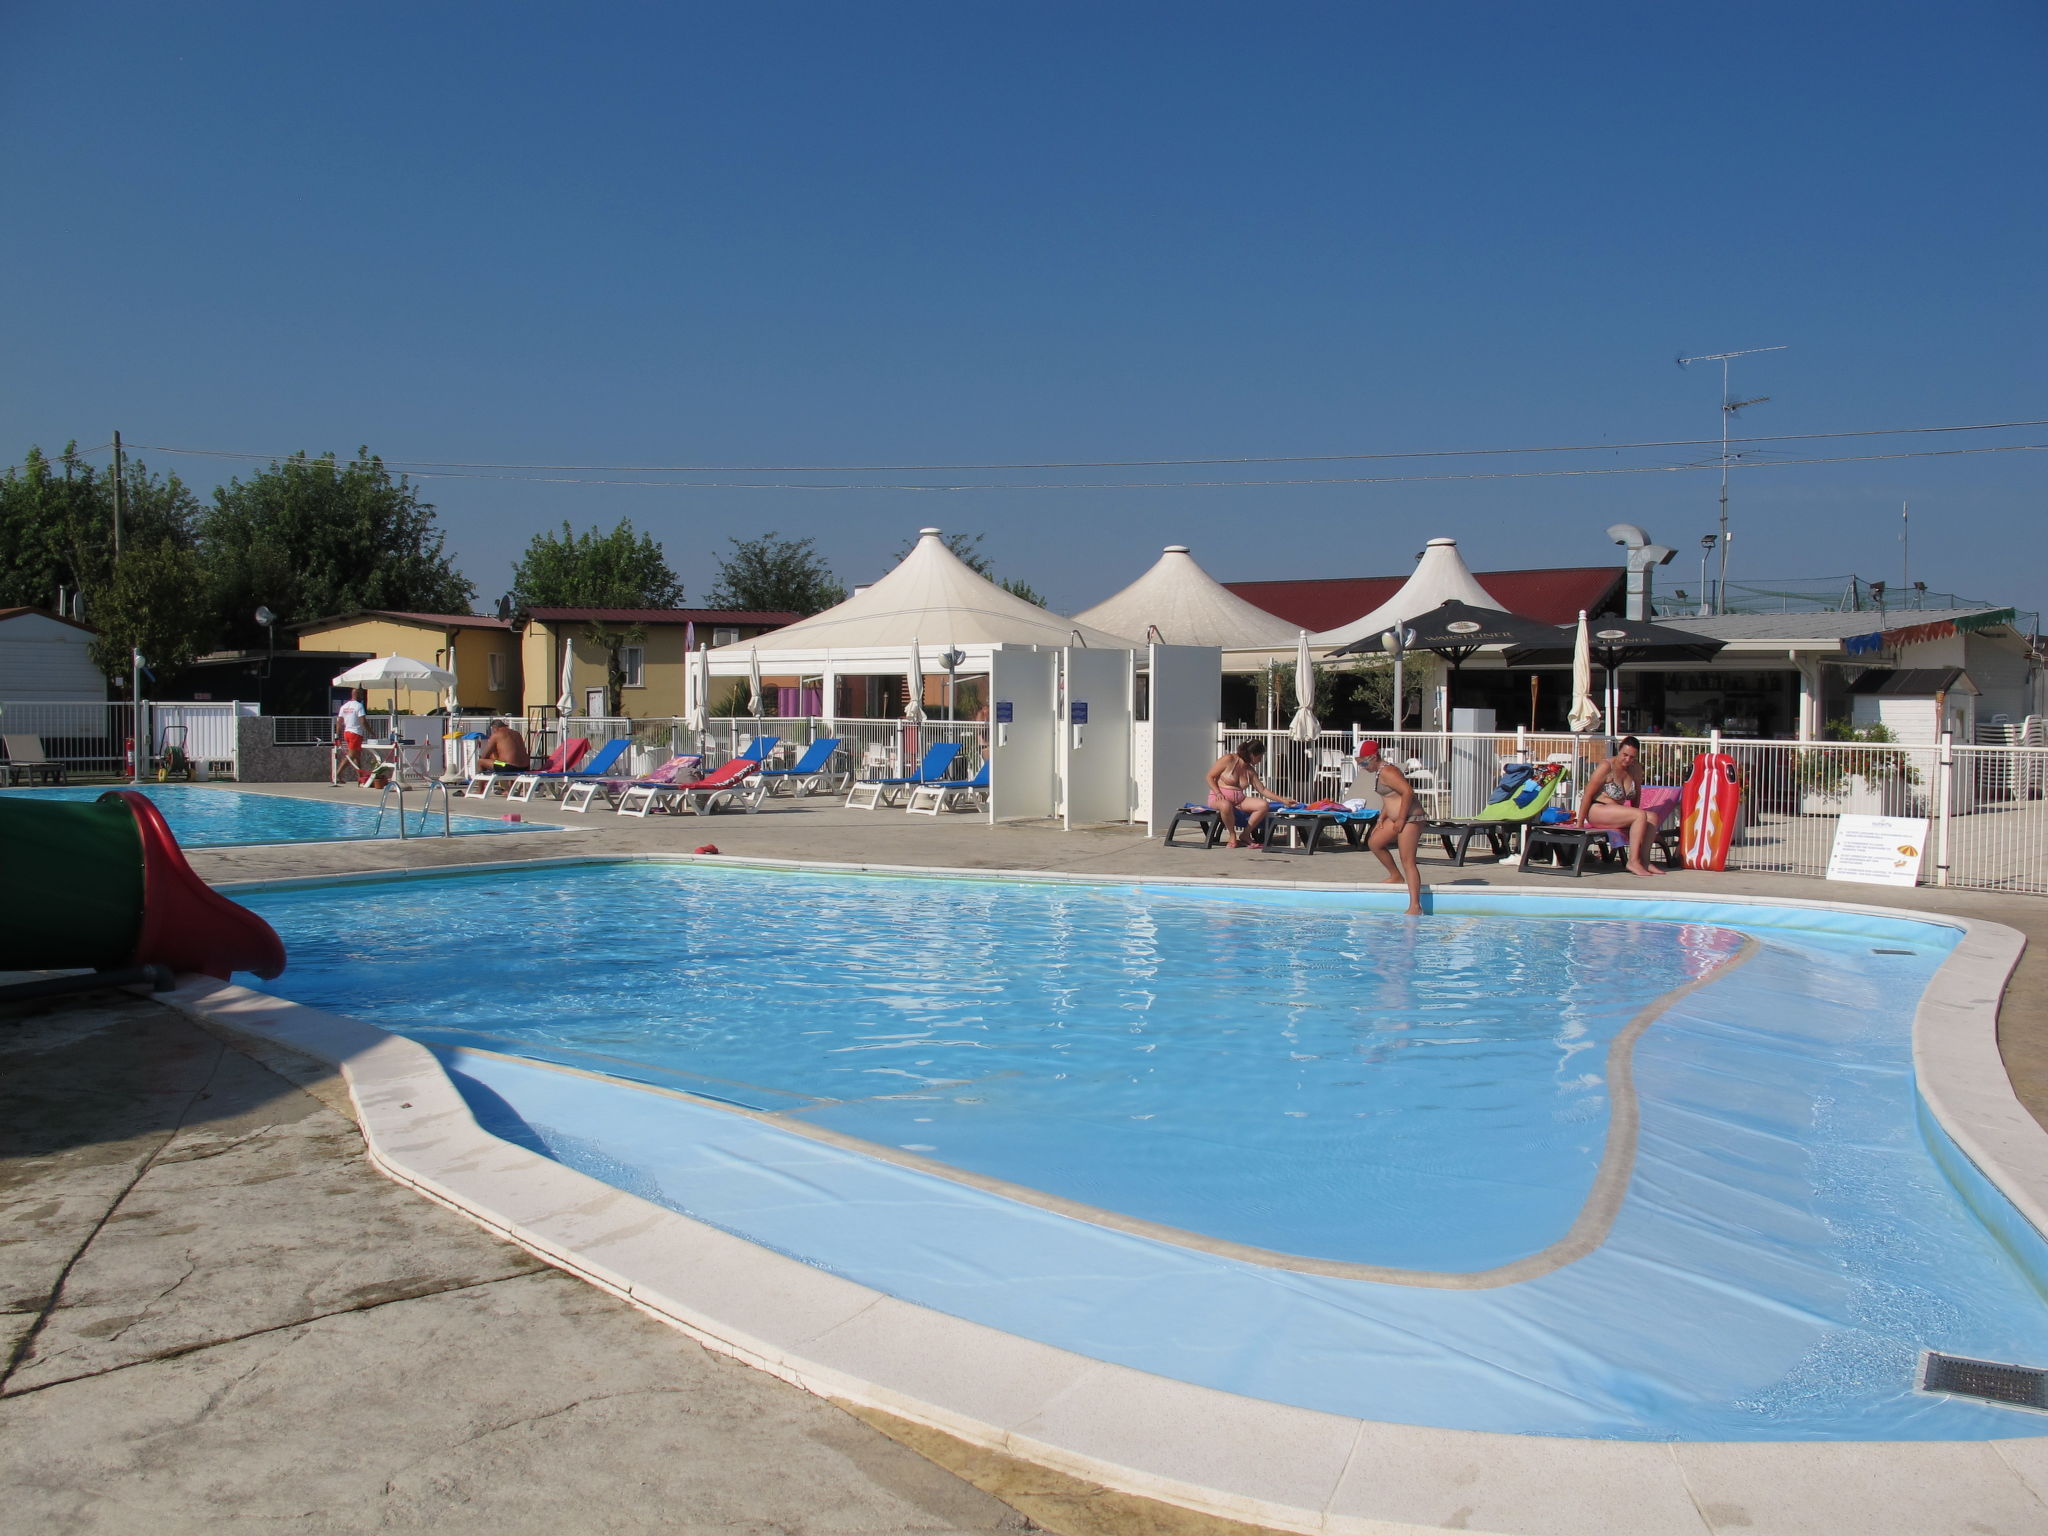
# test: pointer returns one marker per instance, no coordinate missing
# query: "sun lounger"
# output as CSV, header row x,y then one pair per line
x,y
1499,822
870,794
930,799
758,747
566,756
546,782
811,772
697,797
26,763
581,791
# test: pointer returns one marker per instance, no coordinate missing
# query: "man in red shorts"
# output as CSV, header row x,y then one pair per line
x,y
349,730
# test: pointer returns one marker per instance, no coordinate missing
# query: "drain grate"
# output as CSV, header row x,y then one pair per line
x,y
2012,1386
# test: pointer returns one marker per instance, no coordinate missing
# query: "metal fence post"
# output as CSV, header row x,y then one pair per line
x,y
1944,786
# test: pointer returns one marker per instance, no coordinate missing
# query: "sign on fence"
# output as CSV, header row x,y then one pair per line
x,y
1878,850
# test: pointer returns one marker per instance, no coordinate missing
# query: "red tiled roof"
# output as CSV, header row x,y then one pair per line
x,y
445,620
1554,596
738,616
15,613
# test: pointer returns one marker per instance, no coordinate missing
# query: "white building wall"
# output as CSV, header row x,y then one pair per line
x,y
42,658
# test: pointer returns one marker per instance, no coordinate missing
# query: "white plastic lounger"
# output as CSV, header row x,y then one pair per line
x,y
930,799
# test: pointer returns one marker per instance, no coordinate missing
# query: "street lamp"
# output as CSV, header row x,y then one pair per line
x,y
1707,543
1396,641
269,621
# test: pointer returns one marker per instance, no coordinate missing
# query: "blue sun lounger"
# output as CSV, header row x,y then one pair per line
x,y
928,799
868,794
597,767
811,770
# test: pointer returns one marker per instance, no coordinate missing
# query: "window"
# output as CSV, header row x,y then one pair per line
x,y
496,671
725,636
633,662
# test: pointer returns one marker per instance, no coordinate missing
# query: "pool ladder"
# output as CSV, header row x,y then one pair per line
x,y
393,787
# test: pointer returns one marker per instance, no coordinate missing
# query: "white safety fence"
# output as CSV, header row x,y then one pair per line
x,y
91,737
1986,806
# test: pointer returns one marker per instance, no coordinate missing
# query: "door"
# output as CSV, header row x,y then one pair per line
x,y
1187,709
1022,732
1095,736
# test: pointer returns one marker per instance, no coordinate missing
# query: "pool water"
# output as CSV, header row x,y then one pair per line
x,y
203,817
1254,1077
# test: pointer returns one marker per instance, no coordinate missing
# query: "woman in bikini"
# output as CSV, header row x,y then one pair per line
x,y
1614,799
1399,826
1234,786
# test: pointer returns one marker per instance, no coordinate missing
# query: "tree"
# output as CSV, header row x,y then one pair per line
x,y
310,537
620,569
152,605
57,526
772,574
968,547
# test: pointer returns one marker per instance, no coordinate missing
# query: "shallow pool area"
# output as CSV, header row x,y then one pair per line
x,y
203,816
1638,1177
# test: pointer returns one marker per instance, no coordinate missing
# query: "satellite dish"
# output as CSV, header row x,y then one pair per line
x,y
1462,627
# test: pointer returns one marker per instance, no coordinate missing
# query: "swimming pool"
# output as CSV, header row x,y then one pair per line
x,y
204,817
1273,1142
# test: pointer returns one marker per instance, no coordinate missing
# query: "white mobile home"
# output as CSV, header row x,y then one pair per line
x,y
43,657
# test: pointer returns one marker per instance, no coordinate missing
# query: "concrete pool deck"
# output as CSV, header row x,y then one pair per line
x,y
1414,1479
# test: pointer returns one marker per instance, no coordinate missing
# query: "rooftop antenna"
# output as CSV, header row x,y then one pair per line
x,y
1906,546
1729,406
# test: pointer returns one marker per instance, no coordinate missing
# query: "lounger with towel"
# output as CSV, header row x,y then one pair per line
x,y
1523,795
868,794
698,797
488,776
582,791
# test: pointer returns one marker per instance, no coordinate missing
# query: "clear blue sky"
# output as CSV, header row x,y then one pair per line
x,y
800,234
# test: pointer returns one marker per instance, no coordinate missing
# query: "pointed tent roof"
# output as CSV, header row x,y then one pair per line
x,y
935,599
1188,606
1440,577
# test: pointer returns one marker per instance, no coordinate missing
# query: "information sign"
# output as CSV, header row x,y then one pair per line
x,y
1878,850
1006,711
1080,707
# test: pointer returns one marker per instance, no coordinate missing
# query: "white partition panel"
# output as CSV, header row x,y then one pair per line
x,y
1095,737
1187,705
1023,733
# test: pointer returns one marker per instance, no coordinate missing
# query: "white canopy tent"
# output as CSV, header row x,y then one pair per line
x,y
1440,577
1188,606
931,602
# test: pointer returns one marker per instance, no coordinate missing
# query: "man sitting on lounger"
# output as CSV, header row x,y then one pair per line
x,y
503,748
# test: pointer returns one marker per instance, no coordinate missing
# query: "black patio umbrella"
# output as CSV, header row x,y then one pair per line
x,y
1615,643
1456,631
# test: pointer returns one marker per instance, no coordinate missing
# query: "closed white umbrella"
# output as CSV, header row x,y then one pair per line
x,y
1585,713
565,703
913,697
395,672
1304,727
697,695
754,700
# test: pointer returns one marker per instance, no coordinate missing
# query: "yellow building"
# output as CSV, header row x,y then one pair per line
x,y
482,653
651,657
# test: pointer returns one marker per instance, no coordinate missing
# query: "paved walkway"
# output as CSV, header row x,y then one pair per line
x,y
214,1315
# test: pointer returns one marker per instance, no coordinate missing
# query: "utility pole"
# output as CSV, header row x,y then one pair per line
x,y
1905,546
117,498
1729,406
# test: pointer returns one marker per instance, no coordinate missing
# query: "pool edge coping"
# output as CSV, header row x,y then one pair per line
x,y
1198,1447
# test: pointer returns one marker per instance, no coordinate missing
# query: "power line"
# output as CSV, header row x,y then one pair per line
x,y
1301,458
1187,485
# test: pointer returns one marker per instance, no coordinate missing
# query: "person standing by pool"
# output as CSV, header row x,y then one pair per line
x,y
350,730
1235,786
1397,835
504,748
1614,799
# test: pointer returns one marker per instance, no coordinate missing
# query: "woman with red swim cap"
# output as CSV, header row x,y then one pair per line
x,y
1400,825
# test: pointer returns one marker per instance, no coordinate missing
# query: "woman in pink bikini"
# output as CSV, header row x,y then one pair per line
x,y
1234,786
